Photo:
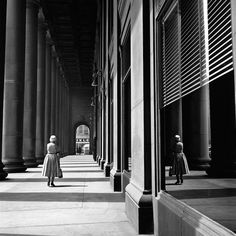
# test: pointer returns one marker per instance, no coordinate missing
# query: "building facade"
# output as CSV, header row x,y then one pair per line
x,y
153,69
164,68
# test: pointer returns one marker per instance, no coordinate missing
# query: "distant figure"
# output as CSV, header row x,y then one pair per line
x,y
180,165
79,150
51,164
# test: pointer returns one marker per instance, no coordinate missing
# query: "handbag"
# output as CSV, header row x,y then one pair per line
x,y
60,173
171,171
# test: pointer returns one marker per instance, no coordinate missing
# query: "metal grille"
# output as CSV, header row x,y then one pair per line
x,y
220,38
170,57
192,48
196,61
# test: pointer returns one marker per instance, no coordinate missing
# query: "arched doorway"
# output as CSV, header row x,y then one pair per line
x,y
82,145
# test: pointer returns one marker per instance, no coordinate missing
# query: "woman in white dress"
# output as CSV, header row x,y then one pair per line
x,y
180,164
51,165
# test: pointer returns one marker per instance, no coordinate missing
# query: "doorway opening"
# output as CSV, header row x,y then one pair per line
x,y
82,146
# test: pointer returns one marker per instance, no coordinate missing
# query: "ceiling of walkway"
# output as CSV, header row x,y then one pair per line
x,y
72,26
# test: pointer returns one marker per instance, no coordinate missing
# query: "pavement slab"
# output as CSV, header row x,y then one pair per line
x,y
82,203
213,197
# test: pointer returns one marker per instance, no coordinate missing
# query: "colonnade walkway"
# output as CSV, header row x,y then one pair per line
x,y
213,197
82,203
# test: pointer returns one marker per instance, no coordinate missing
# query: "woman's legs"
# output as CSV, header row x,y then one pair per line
x,y
177,178
52,181
48,181
181,177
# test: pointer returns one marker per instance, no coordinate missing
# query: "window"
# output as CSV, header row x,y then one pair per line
x,y
188,60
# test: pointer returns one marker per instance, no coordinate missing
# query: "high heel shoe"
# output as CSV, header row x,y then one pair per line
x,y
52,185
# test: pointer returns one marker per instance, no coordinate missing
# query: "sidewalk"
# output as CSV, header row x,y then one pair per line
x,y
82,203
213,197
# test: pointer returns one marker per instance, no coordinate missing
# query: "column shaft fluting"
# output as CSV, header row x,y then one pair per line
x,y
30,83
40,115
47,92
3,174
56,100
60,115
12,135
53,93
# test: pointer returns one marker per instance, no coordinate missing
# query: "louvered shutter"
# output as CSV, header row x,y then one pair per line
x,y
206,47
220,38
193,57
170,57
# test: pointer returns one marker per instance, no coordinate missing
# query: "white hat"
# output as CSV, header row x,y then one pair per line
x,y
53,138
177,137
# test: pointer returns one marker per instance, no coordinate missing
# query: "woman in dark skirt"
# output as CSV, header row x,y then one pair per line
x,y
180,165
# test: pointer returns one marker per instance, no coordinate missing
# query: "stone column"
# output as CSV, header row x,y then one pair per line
x,y
53,91
103,121
3,174
62,117
59,110
13,105
107,165
47,91
138,195
56,99
67,119
30,83
223,117
40,114
196,128
115,174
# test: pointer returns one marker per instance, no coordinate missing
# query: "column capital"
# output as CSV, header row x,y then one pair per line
x,y
54,52
33,4
42,25
49,40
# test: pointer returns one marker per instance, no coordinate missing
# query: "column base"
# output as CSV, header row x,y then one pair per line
x,y
30,162
125,179
99,160
139,209
199,164
115,180
102,163
40,160
3,174
222,170
94,157
14,166
107,169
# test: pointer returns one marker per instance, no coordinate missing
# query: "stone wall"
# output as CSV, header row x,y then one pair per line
x,y
81,112
175,218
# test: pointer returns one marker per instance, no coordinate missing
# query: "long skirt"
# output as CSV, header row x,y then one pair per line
x,y
180,164
51,167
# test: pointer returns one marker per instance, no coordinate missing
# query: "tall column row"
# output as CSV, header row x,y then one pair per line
x,y
36,94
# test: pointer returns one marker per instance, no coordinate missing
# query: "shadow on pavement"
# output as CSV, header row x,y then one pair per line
x,y
203,193
64,179
62,197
